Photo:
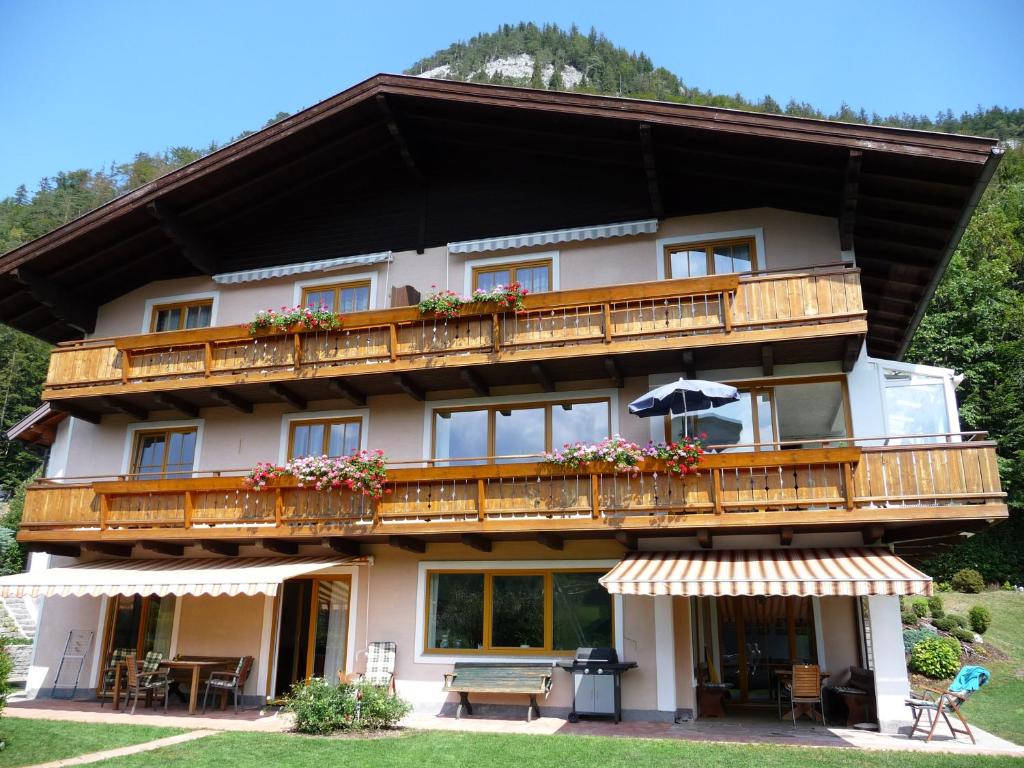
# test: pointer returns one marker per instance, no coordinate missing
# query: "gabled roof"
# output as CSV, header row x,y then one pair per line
x,y
402,163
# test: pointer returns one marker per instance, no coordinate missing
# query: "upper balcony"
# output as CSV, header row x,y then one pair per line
x,y
797,315
893,492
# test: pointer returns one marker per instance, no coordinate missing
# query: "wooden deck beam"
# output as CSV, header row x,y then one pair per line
x,y
230,399
288,395
163,547
174,403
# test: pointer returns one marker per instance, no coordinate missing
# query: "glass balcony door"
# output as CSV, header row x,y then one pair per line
x,y
313,631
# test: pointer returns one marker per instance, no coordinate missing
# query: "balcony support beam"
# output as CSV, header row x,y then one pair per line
x,y
408,544
767,360
342,388
851,353
541,376
872,534
785,537
190,241
77,413
613,372
705,538
222,548
290,396
627,540
108,549
342,546
473,380
175,403
66,303
122,406
689,364
408,386
163,548
476,541
57,549
279,547
230,399
551,541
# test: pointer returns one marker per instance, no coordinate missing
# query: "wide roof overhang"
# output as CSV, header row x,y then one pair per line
x,y
403,163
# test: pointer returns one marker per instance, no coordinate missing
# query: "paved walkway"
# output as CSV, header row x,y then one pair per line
x,y
106,754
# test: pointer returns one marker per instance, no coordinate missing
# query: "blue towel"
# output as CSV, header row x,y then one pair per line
x,y
970,679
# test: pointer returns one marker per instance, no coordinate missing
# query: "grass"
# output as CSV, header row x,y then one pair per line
x,y
999,706
452,750
37,741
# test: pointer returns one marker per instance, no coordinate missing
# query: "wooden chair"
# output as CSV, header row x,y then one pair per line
x,y
804,691
144,683
380,665
117,655
229,681
937,703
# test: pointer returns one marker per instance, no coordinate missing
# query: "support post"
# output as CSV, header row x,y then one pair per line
x,y
664,653
892,687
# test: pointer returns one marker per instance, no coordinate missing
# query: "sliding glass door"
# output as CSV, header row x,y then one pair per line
x,y
313,630
139,624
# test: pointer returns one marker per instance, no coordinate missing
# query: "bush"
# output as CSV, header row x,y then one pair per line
x,y
935,658
919,606
949,622
953,643
943,586
980,618
963,635
935,604
967,580
937,613
911,637
909,618
321,708
6,665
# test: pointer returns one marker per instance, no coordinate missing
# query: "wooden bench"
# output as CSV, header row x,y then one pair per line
x,y
530,679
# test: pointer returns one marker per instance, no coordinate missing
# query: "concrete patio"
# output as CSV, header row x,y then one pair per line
x,y
739,729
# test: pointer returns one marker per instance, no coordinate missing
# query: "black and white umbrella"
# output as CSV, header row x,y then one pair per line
x,y
683,397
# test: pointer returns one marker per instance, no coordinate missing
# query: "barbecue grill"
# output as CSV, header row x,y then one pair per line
x,y
596,683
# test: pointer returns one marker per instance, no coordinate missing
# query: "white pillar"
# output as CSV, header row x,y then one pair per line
x,y
892,686
664,653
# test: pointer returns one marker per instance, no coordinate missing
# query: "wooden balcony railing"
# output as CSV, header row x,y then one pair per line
x,y
831,484
618,319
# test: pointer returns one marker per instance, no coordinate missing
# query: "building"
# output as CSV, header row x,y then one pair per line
x,y
792,258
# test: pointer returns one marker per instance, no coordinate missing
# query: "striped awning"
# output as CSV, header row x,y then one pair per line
x,y
202,576
576,234
284,270
840,571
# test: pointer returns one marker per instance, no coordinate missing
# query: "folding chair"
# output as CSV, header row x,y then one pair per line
x,y
942,703
804,691
380,665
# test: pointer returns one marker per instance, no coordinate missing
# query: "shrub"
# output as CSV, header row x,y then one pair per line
x,y
980,618
963,635
937,613
911,637
6,665
949,622
321,708
953,643
935,658
943,586
935,604
919,606
967,580
909,618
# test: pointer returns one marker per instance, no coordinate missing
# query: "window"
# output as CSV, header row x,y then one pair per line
x,y
788,412
474,433
139,624
181,316
915,404
164,453
340,297
553,611
711,258
534,276
324,437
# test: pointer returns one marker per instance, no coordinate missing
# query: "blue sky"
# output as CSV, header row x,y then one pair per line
x,y
84,83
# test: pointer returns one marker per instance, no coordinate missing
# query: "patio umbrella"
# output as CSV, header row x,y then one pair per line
x,y
682,397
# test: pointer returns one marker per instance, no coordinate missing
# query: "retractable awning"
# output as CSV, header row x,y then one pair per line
x,y
839,571
202,576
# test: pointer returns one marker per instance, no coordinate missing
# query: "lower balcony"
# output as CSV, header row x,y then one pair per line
x,y
887,492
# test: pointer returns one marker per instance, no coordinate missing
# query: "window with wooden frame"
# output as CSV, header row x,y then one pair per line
x,y
181,315
324,437
516,611
506,431
534,276
162,453
788,410
136,624
714,257
338,297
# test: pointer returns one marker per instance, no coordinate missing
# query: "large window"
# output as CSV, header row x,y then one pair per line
x,y
183,315
324,437
809,411
164,452
517,430
534,276
554,611
915,404
139,624
710,258
338,297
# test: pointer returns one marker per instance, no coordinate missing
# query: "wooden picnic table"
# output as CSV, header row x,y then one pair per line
x,y
195,666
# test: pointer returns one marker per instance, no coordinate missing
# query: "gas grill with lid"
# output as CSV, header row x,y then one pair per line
x,y
596,689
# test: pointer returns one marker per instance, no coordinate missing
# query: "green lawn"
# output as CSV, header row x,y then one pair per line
x,y
999,706
451,750
37,741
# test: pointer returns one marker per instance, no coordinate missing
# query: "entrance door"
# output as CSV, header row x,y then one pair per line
x,y
313,635
140,624
759,635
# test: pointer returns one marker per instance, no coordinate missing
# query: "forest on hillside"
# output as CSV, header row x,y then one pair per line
x,y
974,324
